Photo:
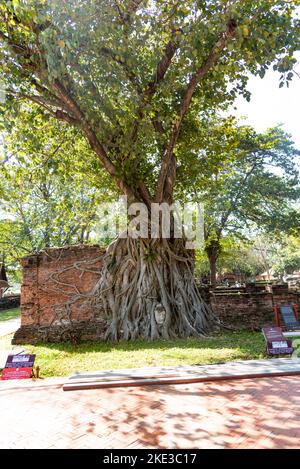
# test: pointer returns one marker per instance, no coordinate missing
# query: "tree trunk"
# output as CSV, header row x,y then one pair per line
x,y
147,290
213,250
213,270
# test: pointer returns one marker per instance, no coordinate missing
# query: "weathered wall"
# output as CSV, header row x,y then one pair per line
x,y
56,295
250,308
56,301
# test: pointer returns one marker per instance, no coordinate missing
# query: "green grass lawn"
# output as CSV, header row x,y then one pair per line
x,y
9,314
65,359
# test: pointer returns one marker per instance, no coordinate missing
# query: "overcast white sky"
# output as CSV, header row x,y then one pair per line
x,y
271,105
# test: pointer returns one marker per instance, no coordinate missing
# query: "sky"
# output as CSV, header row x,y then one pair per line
x,y
271,105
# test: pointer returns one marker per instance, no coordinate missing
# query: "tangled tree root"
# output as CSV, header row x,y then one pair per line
x,y
147,290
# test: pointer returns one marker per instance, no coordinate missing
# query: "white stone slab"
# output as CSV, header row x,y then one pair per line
x,y
167,375
291,334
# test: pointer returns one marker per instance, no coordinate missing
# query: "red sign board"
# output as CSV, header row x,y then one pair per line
x,y
18,367
16,373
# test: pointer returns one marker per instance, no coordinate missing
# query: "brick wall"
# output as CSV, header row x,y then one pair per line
x,y
55,295
251,307
56,298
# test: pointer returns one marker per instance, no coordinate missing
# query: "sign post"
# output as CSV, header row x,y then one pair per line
x,y
276,343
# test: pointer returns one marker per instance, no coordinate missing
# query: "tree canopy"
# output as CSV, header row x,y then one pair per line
x,y
126,73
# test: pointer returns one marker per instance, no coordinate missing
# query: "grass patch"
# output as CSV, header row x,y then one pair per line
x,y
65,359
7,314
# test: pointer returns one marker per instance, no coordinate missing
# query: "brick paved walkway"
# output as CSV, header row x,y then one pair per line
x,y
260,413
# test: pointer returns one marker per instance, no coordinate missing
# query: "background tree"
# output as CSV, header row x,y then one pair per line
x,y
278,256
264,253
130,75
49,194
288,260
237,256
245,180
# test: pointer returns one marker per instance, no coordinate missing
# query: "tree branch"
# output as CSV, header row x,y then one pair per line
x,y
170,181
161,68
150,89
63,116
73,114
186,101
74,109
125,12
233,203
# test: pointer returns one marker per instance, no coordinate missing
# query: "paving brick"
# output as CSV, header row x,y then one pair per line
x,y
259,413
